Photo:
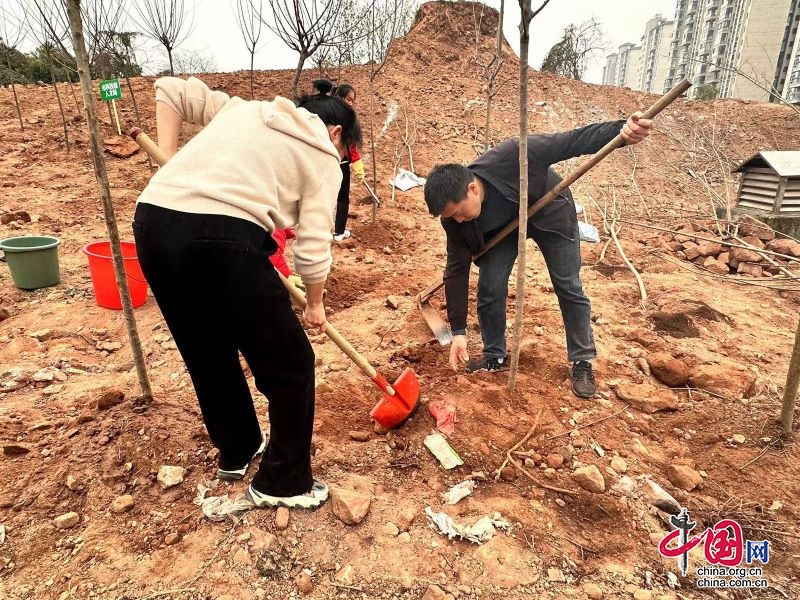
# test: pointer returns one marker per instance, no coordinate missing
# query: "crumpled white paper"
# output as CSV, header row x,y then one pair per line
x,y
219,508
479,533
589,233
405,180
458,492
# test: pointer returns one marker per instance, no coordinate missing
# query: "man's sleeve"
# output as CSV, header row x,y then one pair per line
x,y
456,277
551,148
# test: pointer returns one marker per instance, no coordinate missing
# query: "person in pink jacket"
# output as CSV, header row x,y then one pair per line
x,y
203,230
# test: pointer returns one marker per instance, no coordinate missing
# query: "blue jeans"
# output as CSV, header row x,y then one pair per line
x,y
563,260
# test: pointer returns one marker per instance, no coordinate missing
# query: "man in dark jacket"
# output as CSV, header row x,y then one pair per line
x,y
476,201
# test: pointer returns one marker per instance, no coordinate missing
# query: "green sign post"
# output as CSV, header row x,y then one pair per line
x,y
111,91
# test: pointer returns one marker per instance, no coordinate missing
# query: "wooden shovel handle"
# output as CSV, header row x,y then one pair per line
x,y
149,146
299,298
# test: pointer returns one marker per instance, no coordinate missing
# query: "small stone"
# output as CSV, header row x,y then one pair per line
x,y
281,518
169,476
14,449
684,477
647,398
304,584
667,369
404,537
391,530
560,502
349,507
43,376
346,575
555,461
393,302
642,594
593,591
109,346
67,520
434,592
360,436
42,334
555,575
619,465
738,438
405,518
241,557
172,538
590,478
387,250
122,504
109,399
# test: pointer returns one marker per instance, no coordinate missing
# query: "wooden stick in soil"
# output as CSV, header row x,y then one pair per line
x,y
792,381
626,260
82,58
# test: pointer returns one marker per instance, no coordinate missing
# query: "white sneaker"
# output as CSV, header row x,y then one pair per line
x,y
313,498
342,236
236,474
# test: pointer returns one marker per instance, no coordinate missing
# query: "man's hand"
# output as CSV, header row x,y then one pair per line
x,y
458,352
636,129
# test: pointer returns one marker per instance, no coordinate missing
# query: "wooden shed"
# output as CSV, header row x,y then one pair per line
x,y
770,183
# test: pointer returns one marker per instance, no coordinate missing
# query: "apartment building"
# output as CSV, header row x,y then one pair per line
x,y
654,58
622,67
733,48
790,85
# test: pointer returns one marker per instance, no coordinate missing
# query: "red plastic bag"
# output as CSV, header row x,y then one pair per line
x,y
445,415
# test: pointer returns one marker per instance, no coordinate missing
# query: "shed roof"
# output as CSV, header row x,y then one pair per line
x,y
786,163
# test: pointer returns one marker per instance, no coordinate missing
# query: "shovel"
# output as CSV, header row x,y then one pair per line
x,y
432,316
400,401
372,193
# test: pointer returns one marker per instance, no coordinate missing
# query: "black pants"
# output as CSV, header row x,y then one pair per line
x,y
343,201
219,295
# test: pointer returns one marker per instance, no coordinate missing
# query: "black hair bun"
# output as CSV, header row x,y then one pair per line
x,y
323,86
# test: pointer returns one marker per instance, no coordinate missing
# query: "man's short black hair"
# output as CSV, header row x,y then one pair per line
x,y
446,183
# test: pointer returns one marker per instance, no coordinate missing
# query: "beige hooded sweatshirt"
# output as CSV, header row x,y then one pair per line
x,y
266,162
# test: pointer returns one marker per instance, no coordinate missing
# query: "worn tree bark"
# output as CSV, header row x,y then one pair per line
x,y
792,382
82,58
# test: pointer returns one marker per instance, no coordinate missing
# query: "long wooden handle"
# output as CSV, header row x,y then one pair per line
x,y
149,146
590,162
160,158
584,167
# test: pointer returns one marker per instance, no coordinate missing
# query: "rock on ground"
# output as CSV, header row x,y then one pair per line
x,y
169,476
646,397
729,381
668,369
122,504
590,478
684,477
349,507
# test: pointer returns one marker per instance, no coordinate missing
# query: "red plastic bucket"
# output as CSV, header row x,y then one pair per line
x,y
104,282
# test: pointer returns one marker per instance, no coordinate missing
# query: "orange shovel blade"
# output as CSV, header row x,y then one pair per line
x,y
393,411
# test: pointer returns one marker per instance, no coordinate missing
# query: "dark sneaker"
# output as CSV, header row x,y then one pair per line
x,y
487,363
313,498
583,384
234,473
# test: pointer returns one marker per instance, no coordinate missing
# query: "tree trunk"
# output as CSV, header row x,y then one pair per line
x,y
58,97
136,112
74,97
252,88
76,28
792,382
14,90
169,56
490,86
372,133
296,79
524,39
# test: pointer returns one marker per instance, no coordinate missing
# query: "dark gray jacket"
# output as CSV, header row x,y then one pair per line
x,y
499,168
